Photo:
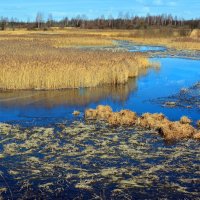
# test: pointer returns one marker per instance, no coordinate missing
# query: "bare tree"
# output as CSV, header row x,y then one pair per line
x,y
50,20
66,21
78,20
100,21
110,21
83,20
3,23
12,23
39,19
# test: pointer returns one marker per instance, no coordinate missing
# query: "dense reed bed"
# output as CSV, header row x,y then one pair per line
x,y
30,64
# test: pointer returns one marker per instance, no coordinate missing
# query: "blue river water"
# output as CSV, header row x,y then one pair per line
x,y
47,107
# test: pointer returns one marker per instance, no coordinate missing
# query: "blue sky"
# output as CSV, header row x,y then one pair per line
x,y
27,9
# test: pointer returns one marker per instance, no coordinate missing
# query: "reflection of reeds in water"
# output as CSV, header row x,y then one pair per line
x,y
67,97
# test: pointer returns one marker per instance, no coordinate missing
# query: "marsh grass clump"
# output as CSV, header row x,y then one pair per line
x,y
124,117
185,120
170,104
198,123
36,65
169,130
76,113
197,136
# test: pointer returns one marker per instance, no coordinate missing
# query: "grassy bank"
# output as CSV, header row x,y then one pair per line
x,y
34,64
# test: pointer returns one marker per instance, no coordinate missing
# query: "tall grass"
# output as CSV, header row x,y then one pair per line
x,y
30,64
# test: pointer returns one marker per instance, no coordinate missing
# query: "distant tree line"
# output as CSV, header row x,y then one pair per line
x,y
121,22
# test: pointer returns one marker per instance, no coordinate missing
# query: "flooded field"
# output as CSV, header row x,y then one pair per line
x,y
48,153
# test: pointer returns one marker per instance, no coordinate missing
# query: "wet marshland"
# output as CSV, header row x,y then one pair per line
x,y
47,153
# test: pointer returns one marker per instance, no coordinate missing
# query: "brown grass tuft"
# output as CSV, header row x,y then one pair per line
x,y
185,120
158,122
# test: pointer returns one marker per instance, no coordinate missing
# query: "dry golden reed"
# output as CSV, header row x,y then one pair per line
x,y
69,37
58,38
172,38
32,64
